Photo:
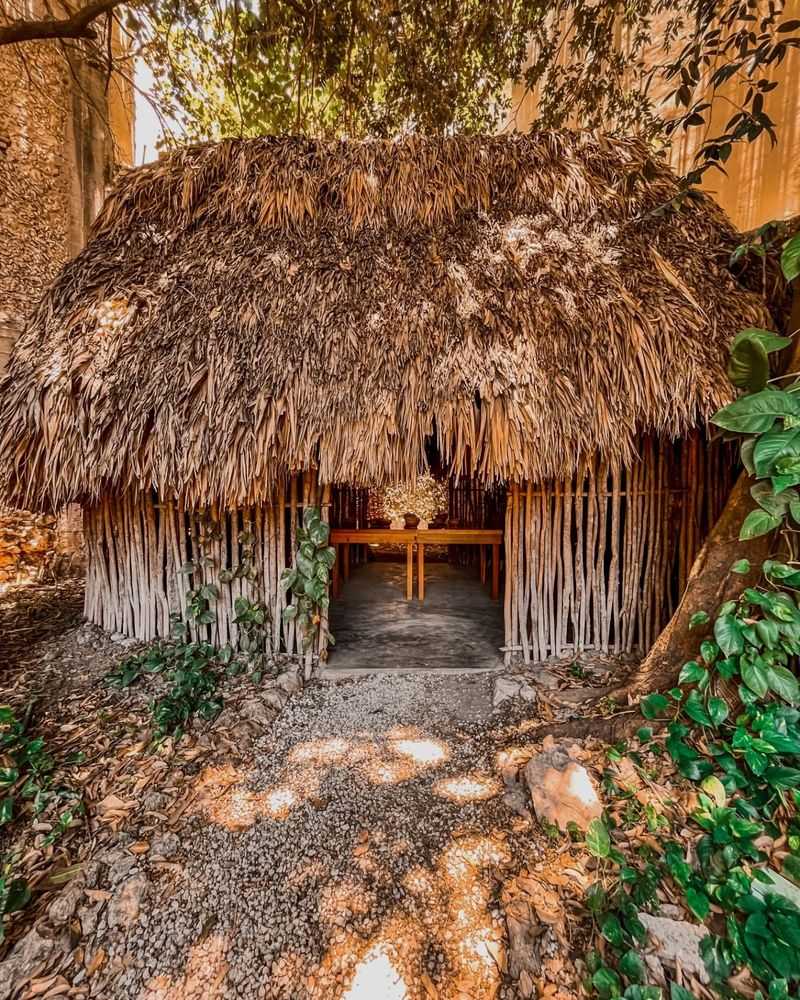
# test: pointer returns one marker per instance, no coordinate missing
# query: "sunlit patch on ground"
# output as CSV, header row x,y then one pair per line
x,y
279,802
320,751
468,788
474,944
223,797
205,975
426,753
377,977
388,772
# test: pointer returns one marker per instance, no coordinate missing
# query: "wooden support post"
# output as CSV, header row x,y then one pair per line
x,y
483,563
409,571
421,571
495,572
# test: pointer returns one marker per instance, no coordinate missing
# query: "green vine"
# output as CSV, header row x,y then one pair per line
x,y
733,727
309,578
28,786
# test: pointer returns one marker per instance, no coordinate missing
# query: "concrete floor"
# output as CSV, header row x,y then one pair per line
x,y
458,626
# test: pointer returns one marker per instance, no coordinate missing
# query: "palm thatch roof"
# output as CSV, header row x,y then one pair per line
x,y
252,307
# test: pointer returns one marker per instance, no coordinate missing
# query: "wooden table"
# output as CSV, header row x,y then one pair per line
x,y
345,537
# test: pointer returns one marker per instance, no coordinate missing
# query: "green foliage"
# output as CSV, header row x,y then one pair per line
x,y
192,670
153,661
26,767
194,679
734,729
343,67
14,894
254,626
705,47
28,785
790,258
308,580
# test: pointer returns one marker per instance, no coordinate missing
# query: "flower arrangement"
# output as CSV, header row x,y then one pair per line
x,y
426,498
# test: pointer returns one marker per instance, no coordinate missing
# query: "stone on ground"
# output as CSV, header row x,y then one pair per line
x,y
562,790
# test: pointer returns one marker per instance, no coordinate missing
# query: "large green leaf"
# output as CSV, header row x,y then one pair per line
x,y
757,413
784,683
754,674
632,966
696,710
758,522
790,258
770,447
769,341
775,502
597,840
728,633
653,706
748,365
692,672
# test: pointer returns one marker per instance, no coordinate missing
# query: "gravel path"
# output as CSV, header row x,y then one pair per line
x,y
357,857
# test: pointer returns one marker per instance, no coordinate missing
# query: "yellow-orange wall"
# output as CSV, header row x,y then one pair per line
x,y
762,182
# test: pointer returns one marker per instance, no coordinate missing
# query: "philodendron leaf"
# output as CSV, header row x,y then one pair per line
x,y
699,618
755,676
758,522
741,566
598,841
728,633
784,683
632,966
653,706
748,365
790,258
756,414
769,341
713,787
691,673
698,903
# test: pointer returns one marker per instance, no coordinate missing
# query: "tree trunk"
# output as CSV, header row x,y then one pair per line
x,y
710,583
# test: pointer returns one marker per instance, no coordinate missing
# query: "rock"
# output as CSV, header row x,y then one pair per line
x,y
546,679
257,711
561,789
508,687
275,698
656,970
165,845
124,907
517,801
290,682
674,941
65,904
120,864
30,954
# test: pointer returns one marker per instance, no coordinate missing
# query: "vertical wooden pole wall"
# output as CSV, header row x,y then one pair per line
x,y
136,547
599,562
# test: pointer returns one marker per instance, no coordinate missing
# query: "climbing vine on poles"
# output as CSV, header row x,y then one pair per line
x,y
308,579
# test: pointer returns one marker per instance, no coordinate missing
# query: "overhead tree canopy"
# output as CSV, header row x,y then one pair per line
x,y
232,68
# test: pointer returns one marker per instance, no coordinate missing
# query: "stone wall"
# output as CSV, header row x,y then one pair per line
x,y
35,235
62,133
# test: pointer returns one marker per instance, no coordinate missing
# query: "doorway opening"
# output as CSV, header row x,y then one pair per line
x,y
419,575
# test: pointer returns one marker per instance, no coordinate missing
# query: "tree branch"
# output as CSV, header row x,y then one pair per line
x,y
79,25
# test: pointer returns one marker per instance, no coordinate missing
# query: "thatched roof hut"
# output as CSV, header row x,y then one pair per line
x,y
252,309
